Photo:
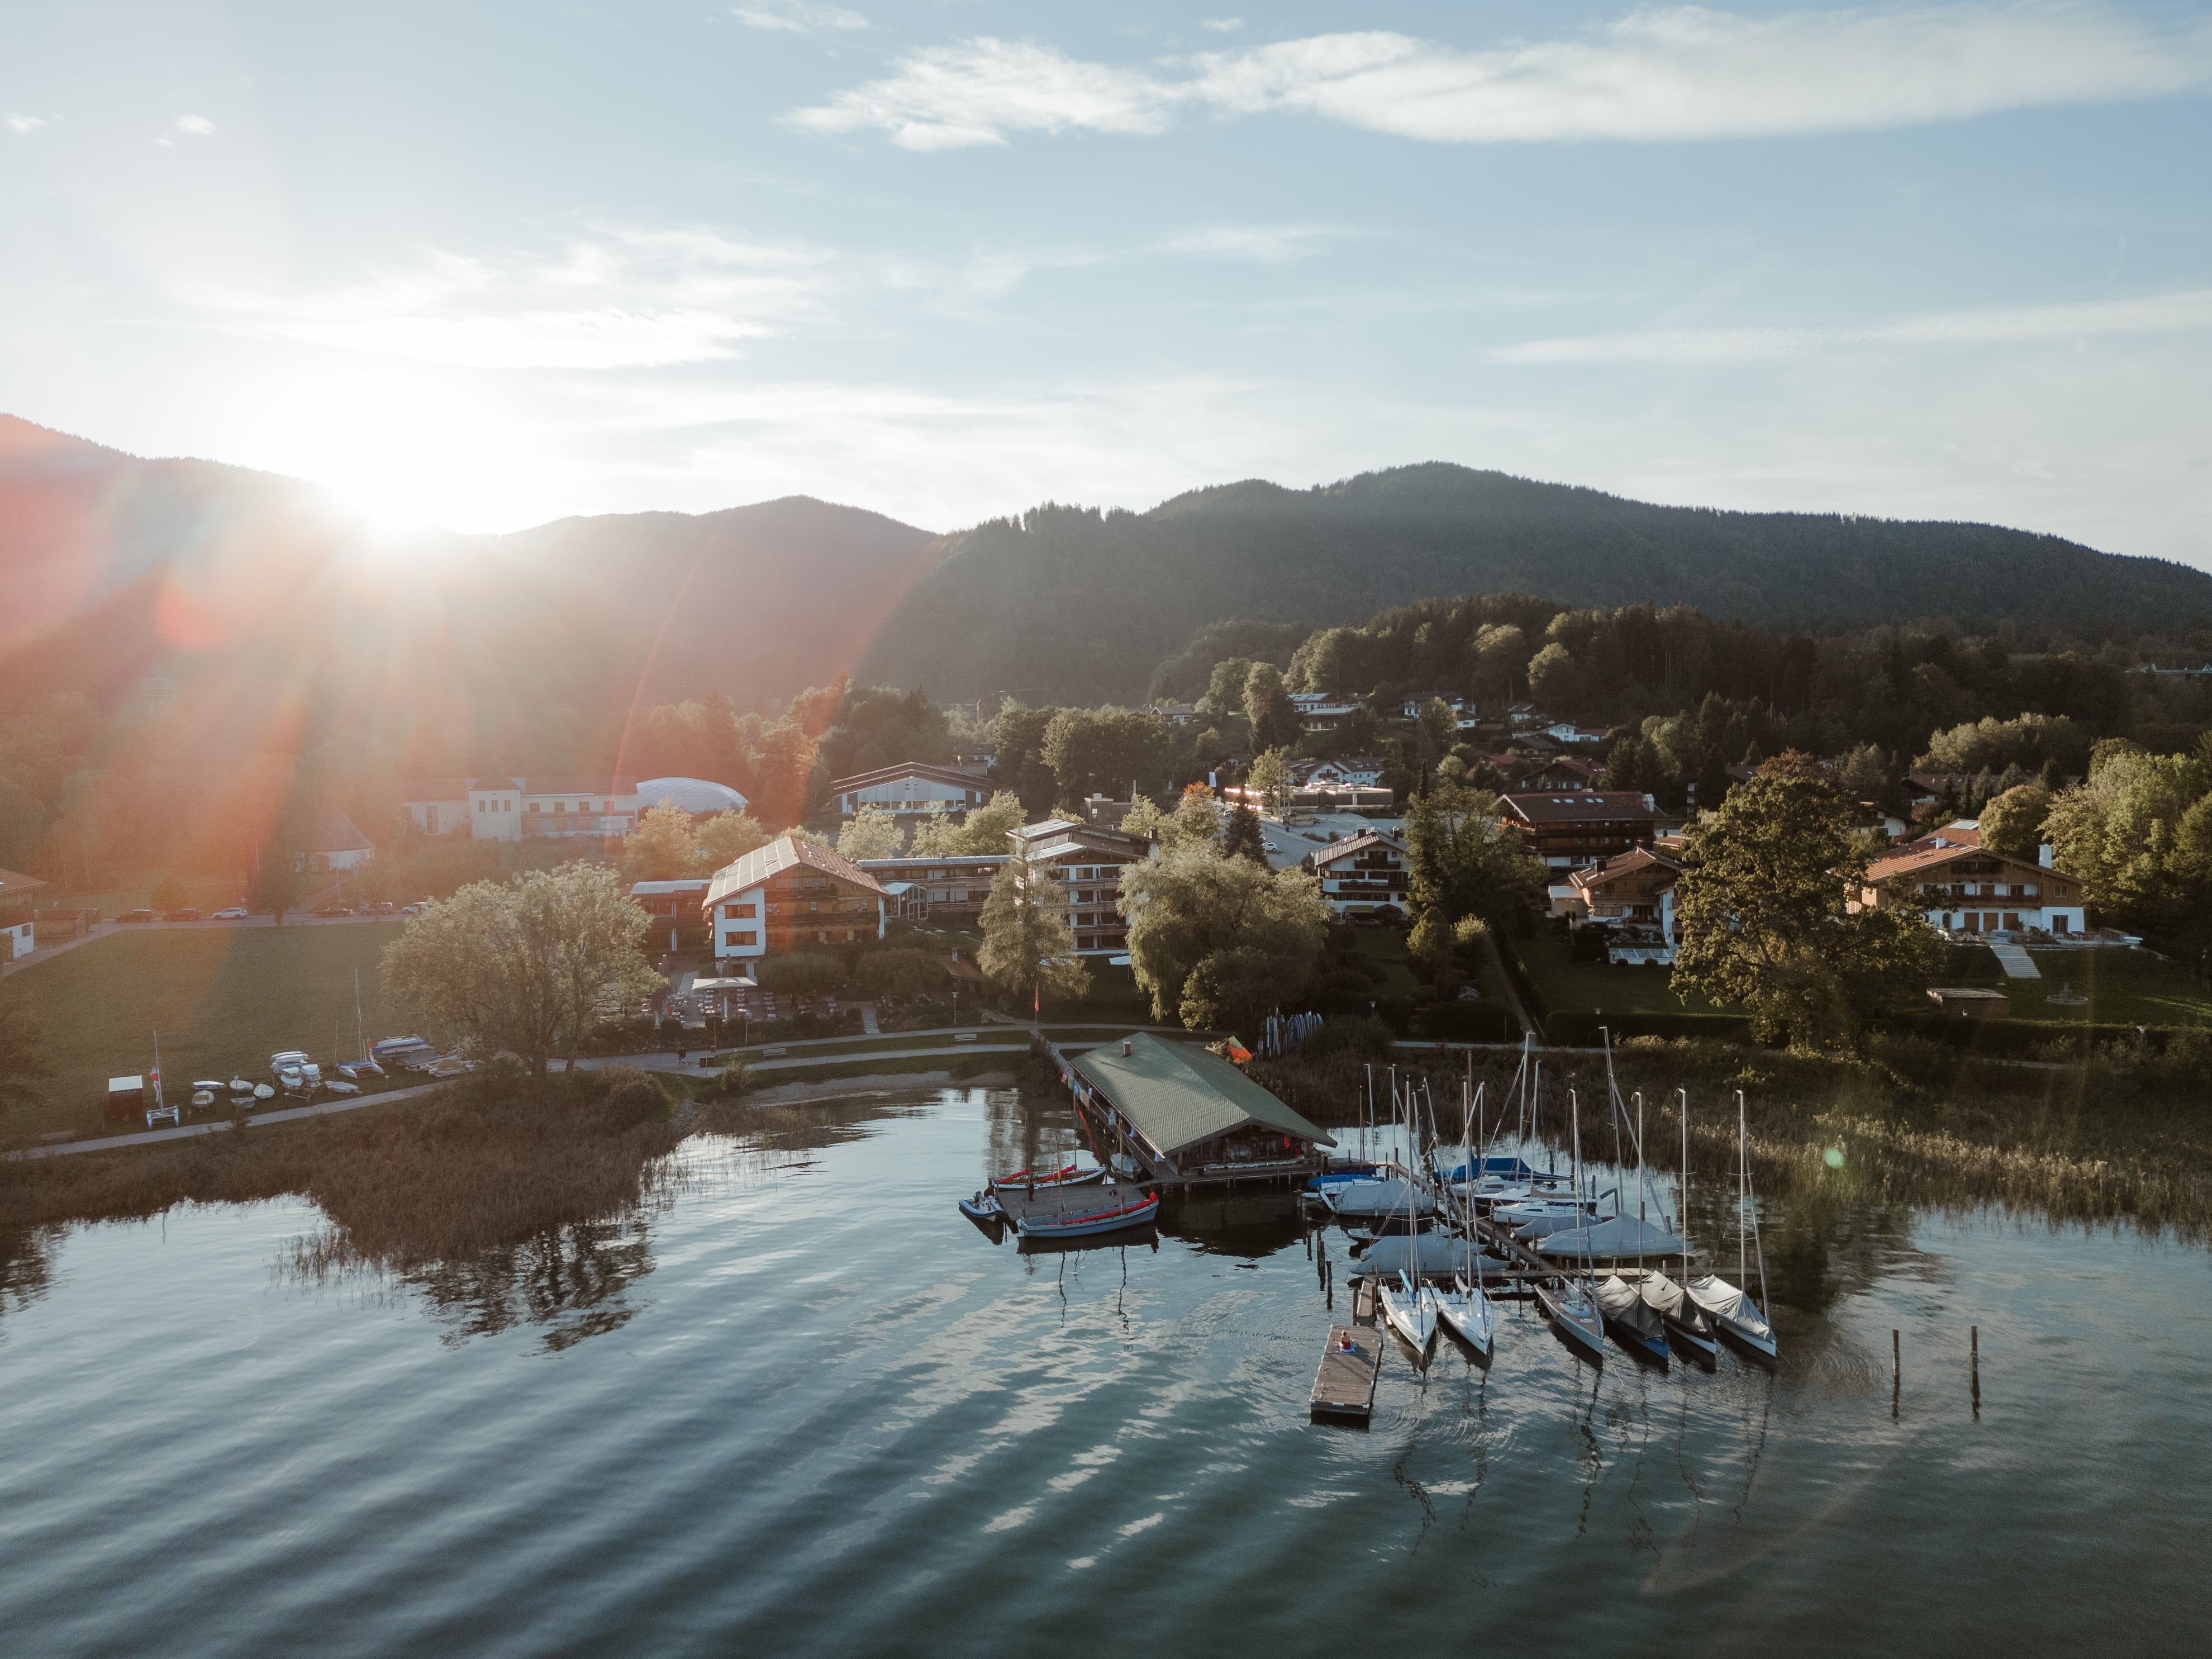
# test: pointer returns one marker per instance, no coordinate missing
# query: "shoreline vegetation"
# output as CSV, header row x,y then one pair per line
x,y
500,1163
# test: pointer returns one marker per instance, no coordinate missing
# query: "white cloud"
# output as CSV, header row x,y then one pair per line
x,y
617,300
797,16
197,125
2188,311
25,123
1682,73
946,97
1221,25
1268,244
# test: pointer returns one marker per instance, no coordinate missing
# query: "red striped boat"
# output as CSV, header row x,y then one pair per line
x,y
1082,1223
1072,1176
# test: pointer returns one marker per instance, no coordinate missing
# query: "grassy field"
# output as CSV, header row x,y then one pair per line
x,y
221,1002
2124,988
1385,949
1583,988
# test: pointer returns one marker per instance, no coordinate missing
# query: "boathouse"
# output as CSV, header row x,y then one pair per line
x,y
1187,1116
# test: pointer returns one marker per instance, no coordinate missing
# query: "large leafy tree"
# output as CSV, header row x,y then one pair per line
x,y
874,833
983,830
1463,857
1766,919
2134,832
725,838
1217,941
524,968
1268,706
663,847
1029,950
2012,822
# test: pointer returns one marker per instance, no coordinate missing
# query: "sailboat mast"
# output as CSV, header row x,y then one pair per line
x,y
1765,1305
1575,1111
1641,1180
1682,1200
1742,1178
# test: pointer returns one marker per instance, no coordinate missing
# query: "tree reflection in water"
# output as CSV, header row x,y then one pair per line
x,y
26,1267
575,1281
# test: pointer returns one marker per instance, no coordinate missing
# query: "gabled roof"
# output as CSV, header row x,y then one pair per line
x,y
335,832
1057,837
1929,858
786,852
1580,806
1622,864
1178,1094
949,775
14,881
1359,843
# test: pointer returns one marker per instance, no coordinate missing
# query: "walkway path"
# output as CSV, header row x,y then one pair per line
x,y
184,1132
2015,960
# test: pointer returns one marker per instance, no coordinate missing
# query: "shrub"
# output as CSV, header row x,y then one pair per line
x,y
800,974
1365,1038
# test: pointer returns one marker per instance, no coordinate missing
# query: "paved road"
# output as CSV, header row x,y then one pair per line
x,y
184,1132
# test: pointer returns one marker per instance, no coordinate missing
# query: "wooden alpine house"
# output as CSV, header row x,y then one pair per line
x,y
1188,1117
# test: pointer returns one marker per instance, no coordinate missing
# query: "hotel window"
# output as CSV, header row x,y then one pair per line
x,y
740,941
560,805
746,911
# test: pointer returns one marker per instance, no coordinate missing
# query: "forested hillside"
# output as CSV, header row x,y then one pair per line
x,y
1072,604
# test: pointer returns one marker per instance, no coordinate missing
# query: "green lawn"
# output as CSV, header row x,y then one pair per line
x,y
2124,988
221,1001
1593,988
1385,949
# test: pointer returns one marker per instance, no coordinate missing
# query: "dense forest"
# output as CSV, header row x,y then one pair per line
x,y
1070,605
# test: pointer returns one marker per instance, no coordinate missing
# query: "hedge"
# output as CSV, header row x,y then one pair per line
x,y
1582,1031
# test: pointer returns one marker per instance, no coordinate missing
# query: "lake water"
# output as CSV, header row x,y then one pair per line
x,y
808,1407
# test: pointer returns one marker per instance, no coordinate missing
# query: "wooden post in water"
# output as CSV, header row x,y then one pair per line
x,y
1896,1373
1974,1350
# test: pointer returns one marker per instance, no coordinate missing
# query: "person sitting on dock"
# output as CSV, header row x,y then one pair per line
x,y
1347,1346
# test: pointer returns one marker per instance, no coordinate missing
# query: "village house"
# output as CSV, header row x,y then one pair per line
x,y
512,809
1173,713
1969,890
19,906
910,791
675,906
1087,861
944,888
1361,873
1631,896
787,895
1324,711
336,842
1348,771
1571,830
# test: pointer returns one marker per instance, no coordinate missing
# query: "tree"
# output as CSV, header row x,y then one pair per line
x,y
726,837
1463,859
1501,655
983,831
1028,947
1243,839
1224,686
1268,706
1555,680
663,847
1439,728
1763,910
1271,776
2120,829
1217,941
23,1062
2012,822
1197,816
874,833
525,968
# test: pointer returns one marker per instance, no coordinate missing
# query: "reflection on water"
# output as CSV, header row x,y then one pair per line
x,y
819,1413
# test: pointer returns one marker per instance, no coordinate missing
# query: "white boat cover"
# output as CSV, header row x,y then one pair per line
x,y
1423,1253
1730,1306
1615,1236
1623,1304
1376,1199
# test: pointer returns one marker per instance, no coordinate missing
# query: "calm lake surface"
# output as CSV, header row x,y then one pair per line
x,y
807,1407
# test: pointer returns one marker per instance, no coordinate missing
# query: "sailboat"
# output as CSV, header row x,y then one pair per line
x,y
1466,1310
1686,1322
1740,1318
1409,1307
1570,1306
1635,1324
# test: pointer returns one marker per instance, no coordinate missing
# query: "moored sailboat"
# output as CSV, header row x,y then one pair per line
x,y
1569,1303
1742,1319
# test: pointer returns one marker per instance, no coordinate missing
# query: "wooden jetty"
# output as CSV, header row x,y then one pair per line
x,y
1344,1384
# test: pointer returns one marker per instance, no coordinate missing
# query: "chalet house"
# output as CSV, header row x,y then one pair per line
x,y
909,790
1087,861
1322,711
1969,890
1631,894
1553,774
1588,736
787,895
1361,873
1571,830
1349,771
19,905
336,841
920,888
512,809
1172,714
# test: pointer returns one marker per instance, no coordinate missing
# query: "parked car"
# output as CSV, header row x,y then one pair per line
x,y
384,908
335,910
136,915
416,909
231,913
185,915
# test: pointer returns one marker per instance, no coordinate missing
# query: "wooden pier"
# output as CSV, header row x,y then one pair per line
x,y
1344,1384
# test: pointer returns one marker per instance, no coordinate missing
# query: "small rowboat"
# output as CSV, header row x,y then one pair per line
x,y
1082,1223
984,1210
1070,1176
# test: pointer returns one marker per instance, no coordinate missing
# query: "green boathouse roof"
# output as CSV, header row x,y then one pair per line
x,y
1178,1094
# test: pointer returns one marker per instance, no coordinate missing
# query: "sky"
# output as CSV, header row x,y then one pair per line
x,y
487,264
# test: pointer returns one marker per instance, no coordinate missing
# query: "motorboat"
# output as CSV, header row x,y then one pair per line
x,y
1372,1199
1083,1223
1338,1174
1413,1313
983,1209
1612,1238
1635,1324
1071,1176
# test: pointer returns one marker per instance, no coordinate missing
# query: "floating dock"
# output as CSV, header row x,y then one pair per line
x,y
1344,1384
